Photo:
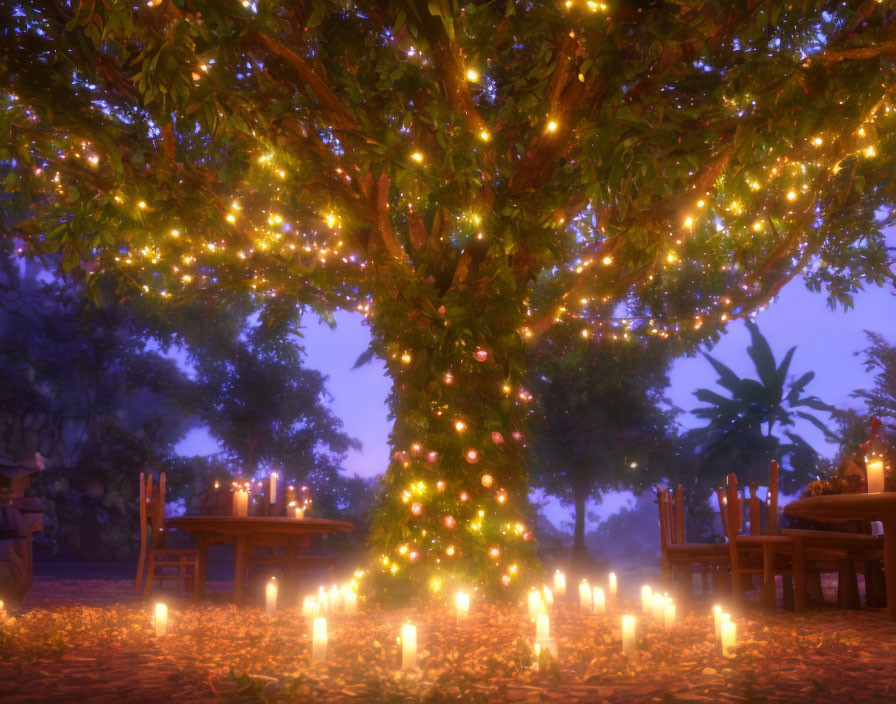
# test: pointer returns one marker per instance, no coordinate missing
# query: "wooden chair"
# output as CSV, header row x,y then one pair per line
x,y
767,551
157,561
680,557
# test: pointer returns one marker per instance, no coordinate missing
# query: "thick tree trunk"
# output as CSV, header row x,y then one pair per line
x,y
453,511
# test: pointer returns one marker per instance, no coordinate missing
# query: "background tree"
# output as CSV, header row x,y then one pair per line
x,y
601,423
880,358
92,390
260,402
740,434
463,176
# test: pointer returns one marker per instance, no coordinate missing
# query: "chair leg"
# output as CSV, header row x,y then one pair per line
x,y
141,567
150,576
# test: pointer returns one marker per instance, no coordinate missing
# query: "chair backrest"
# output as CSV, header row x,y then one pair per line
x,y
152,511
732,504
671,511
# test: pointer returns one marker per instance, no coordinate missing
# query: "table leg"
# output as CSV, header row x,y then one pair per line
x,y
289,568
239,569
799,574
202,543
890,565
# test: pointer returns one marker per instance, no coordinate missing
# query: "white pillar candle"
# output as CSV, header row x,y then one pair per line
x,y
875,471
323,598
297,511
548,596
723,619
270,597
349,601
559,583
729,638
542,627
310,607
646,598
534,604
585,595
408,646
335,599
628,635
272,497
611,583
462,602
319,639
717,620
161,620
669,616
599,600
658,606
240,502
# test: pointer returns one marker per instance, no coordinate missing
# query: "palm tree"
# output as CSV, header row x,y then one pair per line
x,y
740,435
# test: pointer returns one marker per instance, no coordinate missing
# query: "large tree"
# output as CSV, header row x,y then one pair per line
x,y
463,176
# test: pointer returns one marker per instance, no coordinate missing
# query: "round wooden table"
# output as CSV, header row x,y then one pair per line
x,y
244,532
858,507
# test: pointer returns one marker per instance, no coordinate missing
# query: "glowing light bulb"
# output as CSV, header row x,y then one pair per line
x,y
472,75
791,195
418,157
484,135
487,480
552,126
460,426
472,456
607,260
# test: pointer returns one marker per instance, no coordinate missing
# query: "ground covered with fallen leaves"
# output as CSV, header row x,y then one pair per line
x,y
92,641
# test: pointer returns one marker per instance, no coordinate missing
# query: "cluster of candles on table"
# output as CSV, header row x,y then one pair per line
x,y
296,503
344,600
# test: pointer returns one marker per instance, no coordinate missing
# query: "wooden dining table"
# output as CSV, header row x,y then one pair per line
x,y
246,532
879,506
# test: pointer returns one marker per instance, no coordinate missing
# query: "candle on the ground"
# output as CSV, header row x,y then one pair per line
x,y
548,596
628,635
875,470
310,607
335,599
161,619
585,595
729,638
323,599
319,639
611,583
272,498
717,620
270,597
534,603
408,646
599,600
658,606
646,598
462,601
542,627
240,502
723,619
669,615
349,601
559,583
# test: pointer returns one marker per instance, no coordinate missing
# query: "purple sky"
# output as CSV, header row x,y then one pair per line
x,y
826,343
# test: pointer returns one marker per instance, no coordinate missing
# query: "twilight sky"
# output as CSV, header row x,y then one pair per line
x,y
826,343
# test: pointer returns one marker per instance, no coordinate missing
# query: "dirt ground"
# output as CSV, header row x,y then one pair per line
x,y
92,641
